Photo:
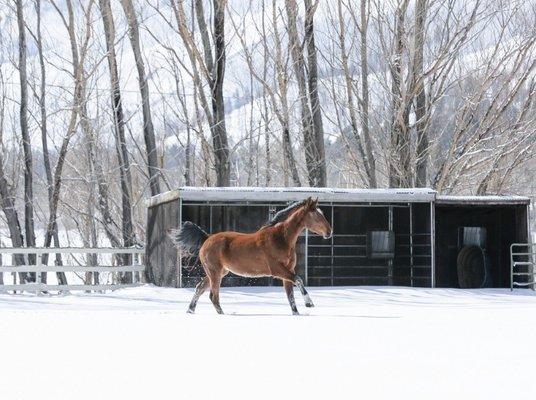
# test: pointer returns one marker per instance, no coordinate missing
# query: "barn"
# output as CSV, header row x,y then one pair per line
x,y
402,237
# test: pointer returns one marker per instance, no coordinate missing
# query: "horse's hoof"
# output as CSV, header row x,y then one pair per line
x,y
190,311
310,305
295,313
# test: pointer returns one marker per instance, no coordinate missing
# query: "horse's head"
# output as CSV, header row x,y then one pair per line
x,y
314,219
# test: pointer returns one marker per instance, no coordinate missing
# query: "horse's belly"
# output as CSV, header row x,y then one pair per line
x,y
249,271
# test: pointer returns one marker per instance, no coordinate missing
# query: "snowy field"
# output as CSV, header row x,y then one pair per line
x,y
358,343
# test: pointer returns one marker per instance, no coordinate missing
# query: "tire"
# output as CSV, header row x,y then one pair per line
x,y
473,268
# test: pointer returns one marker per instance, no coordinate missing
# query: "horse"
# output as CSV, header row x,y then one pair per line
x,y
271,251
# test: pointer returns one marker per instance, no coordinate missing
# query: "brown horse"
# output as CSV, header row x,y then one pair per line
x,y
271,251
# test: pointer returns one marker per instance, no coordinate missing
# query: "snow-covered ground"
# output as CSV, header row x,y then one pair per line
x,y
360,342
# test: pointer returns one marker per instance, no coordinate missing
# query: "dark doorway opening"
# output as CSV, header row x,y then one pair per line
x,y
502,224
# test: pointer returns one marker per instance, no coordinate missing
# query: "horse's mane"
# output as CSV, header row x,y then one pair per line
x,y
282,215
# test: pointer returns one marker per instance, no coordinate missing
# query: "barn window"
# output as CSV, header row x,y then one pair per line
x,y
472,236
381,244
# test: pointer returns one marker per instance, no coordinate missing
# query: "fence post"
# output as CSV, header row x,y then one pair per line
x,y
14,274
134,258
38,274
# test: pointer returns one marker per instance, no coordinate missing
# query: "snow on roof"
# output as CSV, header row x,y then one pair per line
x,y
481,200
277,194
283,194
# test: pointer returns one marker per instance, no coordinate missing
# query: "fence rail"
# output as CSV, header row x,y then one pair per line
x,y
523,255
38,287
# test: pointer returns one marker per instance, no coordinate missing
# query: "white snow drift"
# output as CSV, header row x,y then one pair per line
x,y
358,343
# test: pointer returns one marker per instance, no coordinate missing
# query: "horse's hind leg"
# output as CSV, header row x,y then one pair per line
x,y
301,286
199,290
289,289
215,282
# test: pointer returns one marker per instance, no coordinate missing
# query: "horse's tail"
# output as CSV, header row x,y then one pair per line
x,y
189,238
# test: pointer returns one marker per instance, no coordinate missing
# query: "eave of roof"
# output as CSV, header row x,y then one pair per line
x,y
283,194
482,200
275,194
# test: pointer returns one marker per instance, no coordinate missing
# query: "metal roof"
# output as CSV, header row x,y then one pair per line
x,y
277,194
482,200
282,194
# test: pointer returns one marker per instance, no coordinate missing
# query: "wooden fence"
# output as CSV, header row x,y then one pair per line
x,y
136,268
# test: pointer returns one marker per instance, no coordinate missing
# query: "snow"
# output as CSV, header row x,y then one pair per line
x,y
359,342
251,193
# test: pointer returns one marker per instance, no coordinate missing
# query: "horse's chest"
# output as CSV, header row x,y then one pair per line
x,y
287,257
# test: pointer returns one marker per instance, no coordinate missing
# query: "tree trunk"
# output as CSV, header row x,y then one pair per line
x,y
420,95
251,150
219,133
215,66
363,50
148,129
312,156
26,145
267,154
399,156
79,82
318,127
282,81
127,230
12,219
352,110
44,131
97,178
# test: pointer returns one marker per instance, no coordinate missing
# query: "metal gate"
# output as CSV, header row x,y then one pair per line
x,y
522,261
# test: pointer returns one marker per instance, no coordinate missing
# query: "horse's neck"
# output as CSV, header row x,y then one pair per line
x,y
294,226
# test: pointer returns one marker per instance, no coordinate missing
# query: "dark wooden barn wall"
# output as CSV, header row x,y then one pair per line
x,y
504,226
161,254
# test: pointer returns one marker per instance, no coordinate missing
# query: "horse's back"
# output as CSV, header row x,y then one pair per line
x,y
221,242
241,253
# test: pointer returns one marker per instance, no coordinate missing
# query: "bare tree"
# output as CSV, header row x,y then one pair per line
x,y
278,96
268,162
370,161
212,65
312,77
7,197
314,159
40,93
26,145
358,114
119,126
78,58
399,157
148,129
417,87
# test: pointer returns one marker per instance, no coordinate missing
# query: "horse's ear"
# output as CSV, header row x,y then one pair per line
x,y
315,203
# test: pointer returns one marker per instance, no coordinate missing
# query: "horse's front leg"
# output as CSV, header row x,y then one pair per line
x,y
299,282
289,289
305,294
280,271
